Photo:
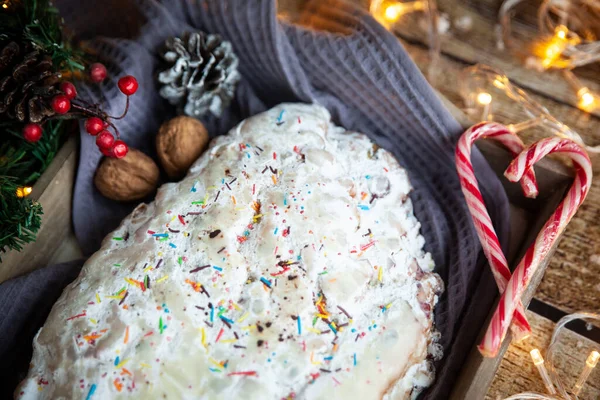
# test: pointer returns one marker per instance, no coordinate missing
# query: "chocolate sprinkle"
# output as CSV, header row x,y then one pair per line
x,y
260,342
194,213
199,268
220,250
234,179
344,311
214,234
237,346
124,297
217,196
159,262
324,370
173,230
199,308
263,171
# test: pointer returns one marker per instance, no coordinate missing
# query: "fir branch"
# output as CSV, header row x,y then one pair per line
x,y
20,217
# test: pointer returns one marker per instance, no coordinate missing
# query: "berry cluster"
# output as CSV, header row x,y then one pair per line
x,y
98,122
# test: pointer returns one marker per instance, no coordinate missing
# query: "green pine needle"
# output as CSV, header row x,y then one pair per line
x,y
22,163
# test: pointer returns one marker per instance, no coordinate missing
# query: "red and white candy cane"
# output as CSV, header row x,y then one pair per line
x,y
481,218
552,229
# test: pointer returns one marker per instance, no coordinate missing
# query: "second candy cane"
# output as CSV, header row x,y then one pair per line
x,y
510,299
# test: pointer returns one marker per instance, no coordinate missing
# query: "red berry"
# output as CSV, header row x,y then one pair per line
x,y
94,125
69,90
105,140
128,85
120,149
98,72
107,152
61,104
32,132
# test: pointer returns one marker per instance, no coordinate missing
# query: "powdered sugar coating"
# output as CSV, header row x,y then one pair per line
x,y
287,263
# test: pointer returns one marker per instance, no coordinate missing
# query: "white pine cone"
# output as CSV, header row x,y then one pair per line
x,y
201,75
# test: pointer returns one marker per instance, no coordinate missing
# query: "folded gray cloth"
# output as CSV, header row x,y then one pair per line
x,y
344,61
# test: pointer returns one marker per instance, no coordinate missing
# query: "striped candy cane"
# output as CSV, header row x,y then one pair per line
x,y
481,219
546,238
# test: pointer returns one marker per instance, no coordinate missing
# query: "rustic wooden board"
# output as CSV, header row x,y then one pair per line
x,y
55,241
479,45
517,373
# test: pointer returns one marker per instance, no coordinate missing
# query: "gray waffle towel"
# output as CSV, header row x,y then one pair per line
x,y
346,62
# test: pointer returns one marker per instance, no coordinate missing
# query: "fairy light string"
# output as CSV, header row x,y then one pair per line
x,y
568,37
556,388
479,84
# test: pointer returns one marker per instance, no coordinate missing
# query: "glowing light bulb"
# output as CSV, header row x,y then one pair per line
x,y
24,191
538,361
394,10
498,83
4,5
553,50
593,359
484,98
587,101
561,32
536,356
590,364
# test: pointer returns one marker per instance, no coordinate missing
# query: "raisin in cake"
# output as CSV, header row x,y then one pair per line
x,y
287,264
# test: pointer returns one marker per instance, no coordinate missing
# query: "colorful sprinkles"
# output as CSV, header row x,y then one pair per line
x,y
224,321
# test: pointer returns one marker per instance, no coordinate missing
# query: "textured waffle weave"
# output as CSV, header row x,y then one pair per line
x,y
339,57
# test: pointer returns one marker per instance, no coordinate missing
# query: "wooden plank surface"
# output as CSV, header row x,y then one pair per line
x,y
518,374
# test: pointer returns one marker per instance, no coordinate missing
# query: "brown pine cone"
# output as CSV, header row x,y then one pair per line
x,y
27,82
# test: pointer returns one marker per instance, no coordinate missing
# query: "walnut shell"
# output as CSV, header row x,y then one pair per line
x,y
179,143
130,178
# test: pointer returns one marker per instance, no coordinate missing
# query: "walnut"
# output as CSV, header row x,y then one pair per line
x,y
179,143
130,178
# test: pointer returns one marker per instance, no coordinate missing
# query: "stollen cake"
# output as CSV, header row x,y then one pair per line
x,y
287,264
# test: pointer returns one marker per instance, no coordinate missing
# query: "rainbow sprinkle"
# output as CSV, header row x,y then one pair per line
x,y
280,116
91,392
354,359
265,281
299,326
161,327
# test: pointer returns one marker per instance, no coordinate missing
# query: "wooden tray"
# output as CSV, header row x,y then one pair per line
x,y
55,240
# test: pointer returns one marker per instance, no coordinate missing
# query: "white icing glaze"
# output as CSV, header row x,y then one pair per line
x,y
288,197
